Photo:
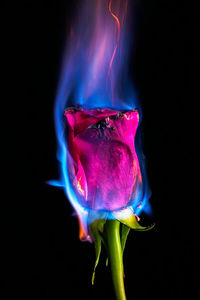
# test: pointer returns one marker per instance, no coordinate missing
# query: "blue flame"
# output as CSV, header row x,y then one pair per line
x,y
85,76
87,80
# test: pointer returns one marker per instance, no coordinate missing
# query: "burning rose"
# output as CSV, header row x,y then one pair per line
x,y
100,170
105,174
104,167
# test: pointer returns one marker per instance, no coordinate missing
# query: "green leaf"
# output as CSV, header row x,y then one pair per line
x,y
128,218
124,234
96,229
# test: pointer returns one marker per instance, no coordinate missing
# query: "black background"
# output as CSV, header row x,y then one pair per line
x,y
44,258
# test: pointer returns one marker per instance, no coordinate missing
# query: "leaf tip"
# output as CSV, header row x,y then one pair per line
x,y
93,277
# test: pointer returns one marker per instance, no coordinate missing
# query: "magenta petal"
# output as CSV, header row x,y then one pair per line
x,y
80,120
106,168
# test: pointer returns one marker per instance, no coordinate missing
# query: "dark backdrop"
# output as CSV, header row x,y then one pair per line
x,y
44,258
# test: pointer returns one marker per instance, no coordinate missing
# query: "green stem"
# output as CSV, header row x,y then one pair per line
x,y
112,230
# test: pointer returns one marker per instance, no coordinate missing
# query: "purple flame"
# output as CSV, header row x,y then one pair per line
x,y
95,74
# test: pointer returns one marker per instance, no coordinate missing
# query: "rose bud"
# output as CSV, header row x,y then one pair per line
x,y
104,166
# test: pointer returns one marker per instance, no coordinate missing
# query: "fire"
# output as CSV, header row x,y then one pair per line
x,y
79,186
97,50
118,34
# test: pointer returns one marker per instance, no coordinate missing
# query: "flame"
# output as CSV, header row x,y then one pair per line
x,y
82,231
97,49
79,186
118,35
116,45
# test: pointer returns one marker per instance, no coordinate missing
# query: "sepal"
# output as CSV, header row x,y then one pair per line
x,y
96,229
130,219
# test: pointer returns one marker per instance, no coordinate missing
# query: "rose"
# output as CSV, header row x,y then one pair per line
x,y
105,175
103,166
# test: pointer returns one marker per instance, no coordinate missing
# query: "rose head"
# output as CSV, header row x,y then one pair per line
x,y
102,164
103,181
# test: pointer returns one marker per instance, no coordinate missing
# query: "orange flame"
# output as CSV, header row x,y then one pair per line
x,y
121,16
81,190
118,35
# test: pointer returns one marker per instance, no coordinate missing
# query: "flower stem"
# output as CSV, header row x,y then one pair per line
x,y
112,231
